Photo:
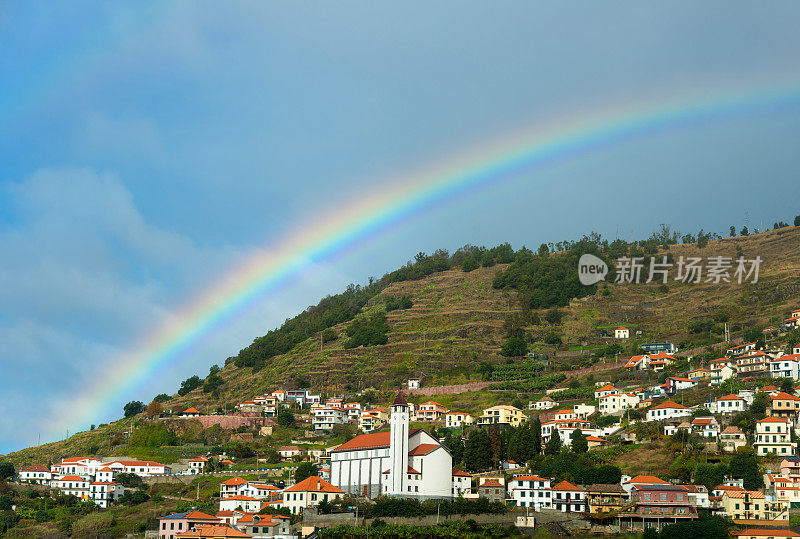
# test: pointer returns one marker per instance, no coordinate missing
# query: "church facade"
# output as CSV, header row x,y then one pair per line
x,y
401,462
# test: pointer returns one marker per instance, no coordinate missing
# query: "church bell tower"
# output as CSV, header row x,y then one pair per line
x,y
398,445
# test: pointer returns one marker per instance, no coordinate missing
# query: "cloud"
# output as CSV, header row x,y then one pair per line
x,y
84,274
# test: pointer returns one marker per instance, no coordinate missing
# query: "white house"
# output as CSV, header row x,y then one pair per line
x,y
198,464
353,410
675,383
786,366
328,416
38,474
190,412
705,427
729,404
240,502
456,420
142,468
720,374
614,403
582,411
462,483
545,403
622,333
413,383
667,410
309,493
568,498
772,436
530,491
731,439
102,493
401,462
72,485
607,389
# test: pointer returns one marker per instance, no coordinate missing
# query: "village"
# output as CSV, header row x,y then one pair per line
x,y
405,449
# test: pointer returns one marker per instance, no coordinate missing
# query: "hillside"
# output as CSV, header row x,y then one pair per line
x,y
457,318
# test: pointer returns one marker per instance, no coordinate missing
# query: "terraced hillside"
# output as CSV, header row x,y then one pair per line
x,y
457,318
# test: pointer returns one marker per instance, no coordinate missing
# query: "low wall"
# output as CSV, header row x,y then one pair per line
x,y
231,422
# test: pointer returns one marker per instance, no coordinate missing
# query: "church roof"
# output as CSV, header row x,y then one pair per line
x,y
400,400
374,440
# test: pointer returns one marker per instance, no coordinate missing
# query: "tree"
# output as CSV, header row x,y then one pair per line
x,y
744,464
161,397
285,418
554,316
212,383
553,446
131,497
133,408
305,470
797,220
6,470
190,384
130,480
544,250
787,385
733,231
153,410
579,443
744,231
477,451
514,347
536,429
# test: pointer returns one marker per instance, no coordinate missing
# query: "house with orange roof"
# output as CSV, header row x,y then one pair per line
x,y
353,410
190,412
786,366
212,531
784,405
667,410
231,487
638,363
431,411
309,493
142,468
784,488
607,389
751,507
462,482
74,485
568,498
628,483
36,474
198,464
728,405
790,466
772,436
171,525
373,419
595,441
731,439
530,491
492,488
622,333
740,349
655,506
706,427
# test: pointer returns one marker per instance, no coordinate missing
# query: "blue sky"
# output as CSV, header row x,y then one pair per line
x,y
146,148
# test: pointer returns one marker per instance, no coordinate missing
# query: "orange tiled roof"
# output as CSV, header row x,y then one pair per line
x,y
72,478
460,473
314,484
566,485
234,482
492,483
669,404
646,480
213,531
423,449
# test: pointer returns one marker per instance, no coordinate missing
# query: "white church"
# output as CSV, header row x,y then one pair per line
x,y
404,463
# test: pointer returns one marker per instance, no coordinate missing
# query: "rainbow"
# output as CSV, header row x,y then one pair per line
x,y
394,202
